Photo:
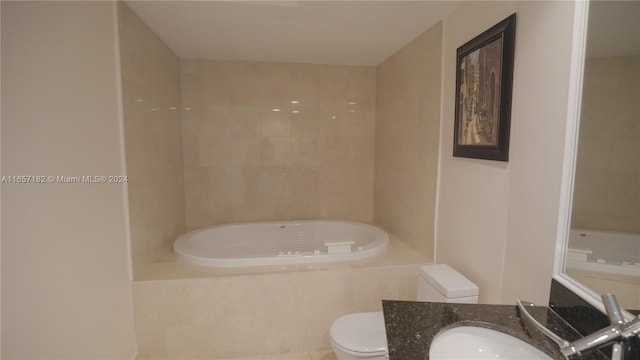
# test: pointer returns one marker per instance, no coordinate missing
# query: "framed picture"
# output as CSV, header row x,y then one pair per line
x,y
484,79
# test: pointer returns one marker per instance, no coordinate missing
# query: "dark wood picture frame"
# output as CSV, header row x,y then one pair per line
x,y
484,82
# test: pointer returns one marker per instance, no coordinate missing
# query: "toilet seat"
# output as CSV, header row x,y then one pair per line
x,y
360,334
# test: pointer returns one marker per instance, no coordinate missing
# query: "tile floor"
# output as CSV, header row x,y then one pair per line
x,y
314,355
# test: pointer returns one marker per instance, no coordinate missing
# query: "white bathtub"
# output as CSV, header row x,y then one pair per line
x,y
604,251
280,243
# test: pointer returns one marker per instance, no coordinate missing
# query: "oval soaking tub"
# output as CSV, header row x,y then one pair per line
x,y
604,251
280,243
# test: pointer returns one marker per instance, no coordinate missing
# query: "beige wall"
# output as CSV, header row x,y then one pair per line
x,y
153,138
245,162
538,134
607,185
66,289
407,132
497,221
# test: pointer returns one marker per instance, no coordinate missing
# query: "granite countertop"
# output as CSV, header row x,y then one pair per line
x,y
411,326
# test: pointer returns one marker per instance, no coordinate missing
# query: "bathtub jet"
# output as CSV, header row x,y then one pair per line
x,y
280,243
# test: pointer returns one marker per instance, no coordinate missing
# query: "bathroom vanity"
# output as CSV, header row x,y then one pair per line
x,y
412,326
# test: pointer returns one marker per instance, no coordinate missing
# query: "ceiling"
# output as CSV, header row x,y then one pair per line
x,y
317,32
337,32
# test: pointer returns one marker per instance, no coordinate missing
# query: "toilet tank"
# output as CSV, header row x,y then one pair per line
x,y
441,283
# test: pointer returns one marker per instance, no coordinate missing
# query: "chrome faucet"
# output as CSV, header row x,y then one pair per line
x,y
618,330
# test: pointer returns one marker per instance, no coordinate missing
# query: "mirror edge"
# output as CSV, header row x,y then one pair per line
x,y
574,103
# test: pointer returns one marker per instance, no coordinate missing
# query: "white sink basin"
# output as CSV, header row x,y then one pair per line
x,y
477,343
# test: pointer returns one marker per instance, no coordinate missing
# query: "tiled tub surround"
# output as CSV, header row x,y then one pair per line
x,y
253,312
411,326
152,134
407,131
277,141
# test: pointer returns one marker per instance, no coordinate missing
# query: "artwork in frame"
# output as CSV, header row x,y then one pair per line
x,y
484,79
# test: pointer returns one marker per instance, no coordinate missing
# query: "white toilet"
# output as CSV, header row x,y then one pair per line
x,y
362,335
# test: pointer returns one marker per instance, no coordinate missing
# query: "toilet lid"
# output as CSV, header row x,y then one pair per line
x,y
360,333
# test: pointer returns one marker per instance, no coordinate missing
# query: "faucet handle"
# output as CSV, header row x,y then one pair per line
x,y
613,310
616,352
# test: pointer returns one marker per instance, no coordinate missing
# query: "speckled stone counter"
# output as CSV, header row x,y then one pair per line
x,y
411,326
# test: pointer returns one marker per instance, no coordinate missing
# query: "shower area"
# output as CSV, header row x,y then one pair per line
x,y
212,142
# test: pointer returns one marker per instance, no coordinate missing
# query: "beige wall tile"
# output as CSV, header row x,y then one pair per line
x,y
268,312
191,151
177,314
326,119
214,125
275,151
606,186
306,123
360,152
214,151
318,327
323,355
245,182
287,330
276,123
305,181
289,356
238,335
406,140
245,151
393,283
304,151
244,121
214,182
243,296
152,343
153,139
190,341
149,315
